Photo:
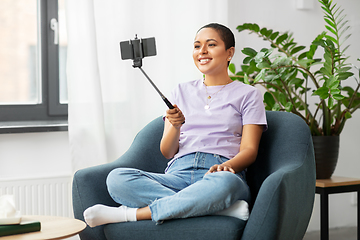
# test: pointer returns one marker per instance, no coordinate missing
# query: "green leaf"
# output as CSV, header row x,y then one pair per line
x,y
338,97
347,115
297,49
325,9
325,71
286,46
265,32
304,62
334,91
246,79
232,68
330,23
269,77
249,51
322,92
345,75
340,26
288,106
274,35
269,32
303,55
255,27
269,100
349,90
281,38
331,30
243,27
330,43
260,76
267,52
282,99
338,21
259,57
343,69
279,62
247,60
296,81
262,65
276,107
332,82
332,39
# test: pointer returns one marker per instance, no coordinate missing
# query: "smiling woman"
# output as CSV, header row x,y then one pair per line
x,y
213,50
209,153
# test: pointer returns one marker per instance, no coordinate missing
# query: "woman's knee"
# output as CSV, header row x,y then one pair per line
x,y
229,182
119,179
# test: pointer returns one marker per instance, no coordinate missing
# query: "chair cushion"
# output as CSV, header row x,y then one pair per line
x,y
207,227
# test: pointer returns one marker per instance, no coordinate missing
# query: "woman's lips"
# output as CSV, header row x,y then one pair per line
x,y
204,60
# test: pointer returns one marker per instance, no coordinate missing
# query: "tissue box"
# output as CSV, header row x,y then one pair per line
x,y
8,212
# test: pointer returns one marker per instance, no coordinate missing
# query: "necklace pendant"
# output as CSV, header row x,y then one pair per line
x,y
209,97
206,107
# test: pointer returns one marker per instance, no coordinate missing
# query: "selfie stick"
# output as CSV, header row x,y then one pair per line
x,y
161,95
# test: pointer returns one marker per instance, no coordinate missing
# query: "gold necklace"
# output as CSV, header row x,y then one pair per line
x,y
209,97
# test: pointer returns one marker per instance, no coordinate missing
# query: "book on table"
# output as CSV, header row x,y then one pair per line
x,y
23,227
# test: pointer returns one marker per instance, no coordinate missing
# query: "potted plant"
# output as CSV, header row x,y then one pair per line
x,y
294,77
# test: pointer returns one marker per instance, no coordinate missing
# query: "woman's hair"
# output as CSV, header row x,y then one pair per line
x,y
225,33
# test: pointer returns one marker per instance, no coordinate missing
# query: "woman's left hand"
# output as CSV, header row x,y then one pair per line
x,y
220,168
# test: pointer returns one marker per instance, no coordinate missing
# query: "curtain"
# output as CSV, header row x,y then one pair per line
x,y
109,100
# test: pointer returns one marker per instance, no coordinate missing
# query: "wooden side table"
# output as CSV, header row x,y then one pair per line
x,y
51,228
324,187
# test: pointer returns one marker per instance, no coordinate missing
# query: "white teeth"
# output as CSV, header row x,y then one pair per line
x,y
204,60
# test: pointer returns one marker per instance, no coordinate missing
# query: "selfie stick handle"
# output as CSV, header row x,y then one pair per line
x,y
170,106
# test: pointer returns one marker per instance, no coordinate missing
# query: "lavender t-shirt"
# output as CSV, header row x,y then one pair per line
x,y
217,128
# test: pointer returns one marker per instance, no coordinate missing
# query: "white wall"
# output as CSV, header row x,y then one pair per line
x,y
34,155
282,15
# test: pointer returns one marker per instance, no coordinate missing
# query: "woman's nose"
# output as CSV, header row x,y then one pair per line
x,y
203,49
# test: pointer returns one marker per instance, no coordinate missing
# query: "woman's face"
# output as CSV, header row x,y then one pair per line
x,y
210,55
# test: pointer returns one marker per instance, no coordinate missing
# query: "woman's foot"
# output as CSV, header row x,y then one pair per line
x,y
101,214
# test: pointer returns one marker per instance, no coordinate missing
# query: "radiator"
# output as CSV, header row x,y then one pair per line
x,y
40,196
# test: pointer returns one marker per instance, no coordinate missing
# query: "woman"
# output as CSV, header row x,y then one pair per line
x,y
207,173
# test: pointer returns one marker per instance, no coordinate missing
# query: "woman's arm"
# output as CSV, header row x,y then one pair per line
x,y
169,144
249,146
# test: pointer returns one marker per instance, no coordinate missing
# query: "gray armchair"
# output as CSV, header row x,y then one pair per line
x,y
282,183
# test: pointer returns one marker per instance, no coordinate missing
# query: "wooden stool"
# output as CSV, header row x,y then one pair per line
x,y
324,187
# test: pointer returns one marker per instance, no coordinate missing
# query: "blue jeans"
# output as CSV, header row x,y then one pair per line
x,y
183,191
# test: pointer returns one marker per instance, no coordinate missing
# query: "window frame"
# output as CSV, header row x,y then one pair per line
x,y
50,109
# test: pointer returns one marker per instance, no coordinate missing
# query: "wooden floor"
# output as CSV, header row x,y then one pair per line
x,y
334,234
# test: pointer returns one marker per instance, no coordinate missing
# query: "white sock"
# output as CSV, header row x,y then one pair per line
x,y
240,209
101,214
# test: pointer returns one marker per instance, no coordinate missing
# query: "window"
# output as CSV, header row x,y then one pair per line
x,y
32,61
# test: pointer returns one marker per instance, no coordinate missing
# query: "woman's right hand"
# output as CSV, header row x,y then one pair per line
x,y
169,144
175,117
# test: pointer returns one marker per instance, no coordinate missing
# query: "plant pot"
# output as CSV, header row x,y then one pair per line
x,y
326,155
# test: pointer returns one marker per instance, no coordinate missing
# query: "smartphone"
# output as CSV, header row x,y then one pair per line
x,y
138,48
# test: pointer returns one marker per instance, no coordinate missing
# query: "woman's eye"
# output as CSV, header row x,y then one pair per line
x,y
196,46
212,45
